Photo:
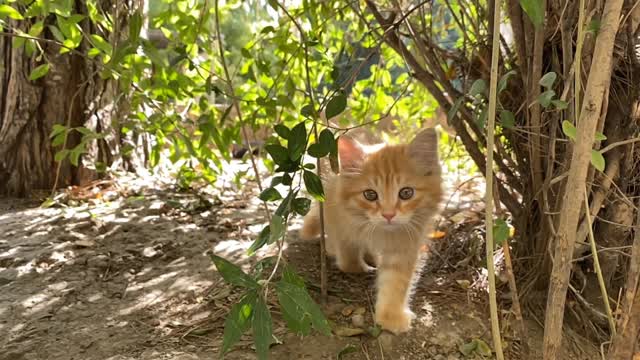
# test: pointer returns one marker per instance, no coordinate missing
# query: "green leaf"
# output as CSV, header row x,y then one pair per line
x,y
483,348
559,104
299,310
238,320
600,136
285,206
454,109
597,160
327,140
277,227
594,26
507,119
289,275
535,11
502,84
261,241
301,205
135,25
61,155
500,232
545,98
317,150
314,185
270,194
57,129
246,54
278,153
478,87
56,33
101,44
36,29
233,274
6,10
297,141
335,106
262,328
548,79
569,130
282,131
308,111
74,156
39,72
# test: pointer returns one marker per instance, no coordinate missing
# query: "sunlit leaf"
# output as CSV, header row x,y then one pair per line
x,y
6,10
569,130
534,10
600,136
39,72
597,160
238,320
500,232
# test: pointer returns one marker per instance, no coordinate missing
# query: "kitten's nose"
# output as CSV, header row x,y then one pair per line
x,y
389,216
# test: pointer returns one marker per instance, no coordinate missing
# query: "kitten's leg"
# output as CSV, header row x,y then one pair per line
x,y
350,257
395,277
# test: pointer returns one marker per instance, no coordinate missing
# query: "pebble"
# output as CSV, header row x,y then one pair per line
x,y
357,320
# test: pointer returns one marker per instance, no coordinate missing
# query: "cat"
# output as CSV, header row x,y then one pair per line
x,y
378,211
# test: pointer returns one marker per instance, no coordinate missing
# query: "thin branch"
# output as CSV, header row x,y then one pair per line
x,y
598,270
491,120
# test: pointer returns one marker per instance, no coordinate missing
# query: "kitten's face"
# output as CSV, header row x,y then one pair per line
x,y
392,186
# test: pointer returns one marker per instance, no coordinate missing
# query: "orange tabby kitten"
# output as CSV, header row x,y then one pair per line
x,y
380,208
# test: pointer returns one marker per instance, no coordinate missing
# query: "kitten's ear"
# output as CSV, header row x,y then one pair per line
x,y
424,150
350,152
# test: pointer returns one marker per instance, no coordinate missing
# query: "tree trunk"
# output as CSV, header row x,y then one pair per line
x,y
71,94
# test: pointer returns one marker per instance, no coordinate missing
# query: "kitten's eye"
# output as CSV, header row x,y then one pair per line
x,y
370,195
406,193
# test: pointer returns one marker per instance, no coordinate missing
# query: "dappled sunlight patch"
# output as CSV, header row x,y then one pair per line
x,y
153,282
426,315
143,301
95,298
38,303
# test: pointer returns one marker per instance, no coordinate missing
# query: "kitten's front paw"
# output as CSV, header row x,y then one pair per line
x,y
395,321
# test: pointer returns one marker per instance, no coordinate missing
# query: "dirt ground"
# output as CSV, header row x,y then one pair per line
x,y
121,271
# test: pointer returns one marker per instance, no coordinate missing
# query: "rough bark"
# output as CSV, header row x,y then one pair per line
x,y
597,85
72,94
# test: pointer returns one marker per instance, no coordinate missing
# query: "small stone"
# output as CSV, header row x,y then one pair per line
x,y
348,310
357,320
